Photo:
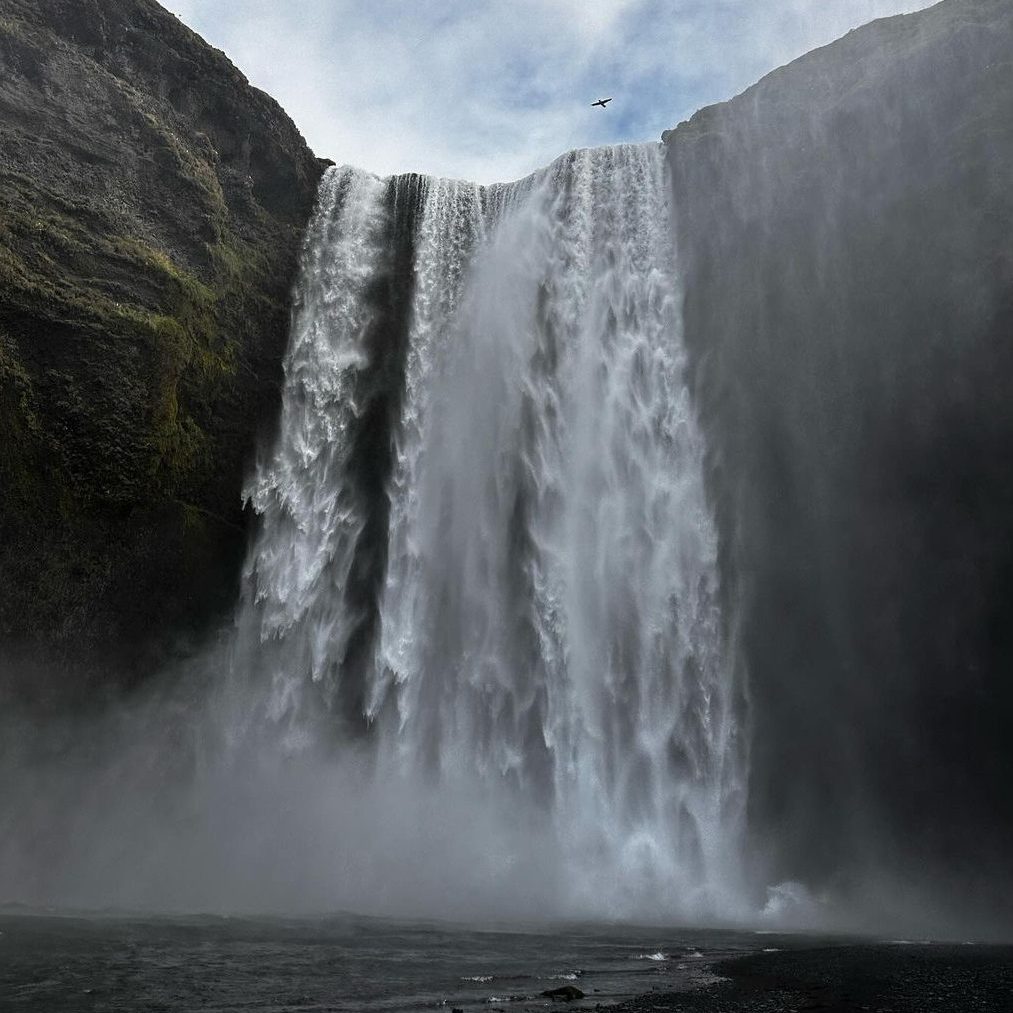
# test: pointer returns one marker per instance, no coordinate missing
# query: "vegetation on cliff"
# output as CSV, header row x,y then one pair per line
x,y
151,209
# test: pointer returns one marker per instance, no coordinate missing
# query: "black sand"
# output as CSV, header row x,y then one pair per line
x,y
880,978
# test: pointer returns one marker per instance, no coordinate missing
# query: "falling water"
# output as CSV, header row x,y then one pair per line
x,y
538,621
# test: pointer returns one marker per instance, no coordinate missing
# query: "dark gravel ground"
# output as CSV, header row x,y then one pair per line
x,y
882,978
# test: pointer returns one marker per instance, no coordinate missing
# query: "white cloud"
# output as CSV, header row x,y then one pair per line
x,y
492,90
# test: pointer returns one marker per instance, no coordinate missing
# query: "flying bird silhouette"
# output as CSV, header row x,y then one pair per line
x,y
601,102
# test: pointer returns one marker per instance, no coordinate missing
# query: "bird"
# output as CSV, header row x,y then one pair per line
x,y
601,102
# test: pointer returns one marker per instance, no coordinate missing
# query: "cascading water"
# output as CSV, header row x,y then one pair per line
x,y
537,624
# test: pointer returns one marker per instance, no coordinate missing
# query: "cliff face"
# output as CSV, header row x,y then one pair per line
x,y
846,241
151,209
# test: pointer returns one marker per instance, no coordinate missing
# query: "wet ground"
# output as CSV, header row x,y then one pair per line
x,y
881,978
348,963
98,963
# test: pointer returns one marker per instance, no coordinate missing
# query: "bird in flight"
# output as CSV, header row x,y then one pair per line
x,y
601,102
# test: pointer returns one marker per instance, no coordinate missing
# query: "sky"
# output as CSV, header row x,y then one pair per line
x,y
490,90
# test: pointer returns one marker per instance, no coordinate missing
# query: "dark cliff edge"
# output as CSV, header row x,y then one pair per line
x,y
151,208
846,244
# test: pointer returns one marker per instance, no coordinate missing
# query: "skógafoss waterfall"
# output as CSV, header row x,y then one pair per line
x,y
485,565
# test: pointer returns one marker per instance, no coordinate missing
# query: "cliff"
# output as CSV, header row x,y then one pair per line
x,y
151,209
845,243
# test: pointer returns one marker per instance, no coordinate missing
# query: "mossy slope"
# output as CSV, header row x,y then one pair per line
x,y
151,208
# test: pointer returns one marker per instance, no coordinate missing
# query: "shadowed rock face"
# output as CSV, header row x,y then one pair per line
x,y
151,209
846,240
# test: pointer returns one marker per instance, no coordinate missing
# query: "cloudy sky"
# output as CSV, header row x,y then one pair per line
x,y
491,89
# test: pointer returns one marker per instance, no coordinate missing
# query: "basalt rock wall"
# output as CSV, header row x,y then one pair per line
x,y
846,242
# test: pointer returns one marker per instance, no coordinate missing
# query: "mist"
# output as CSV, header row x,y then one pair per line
x,y
168,819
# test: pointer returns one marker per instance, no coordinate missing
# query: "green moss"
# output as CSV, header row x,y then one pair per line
x,y
183,325
15,30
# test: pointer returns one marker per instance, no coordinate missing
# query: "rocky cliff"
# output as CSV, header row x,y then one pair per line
x,y
151,208
846,241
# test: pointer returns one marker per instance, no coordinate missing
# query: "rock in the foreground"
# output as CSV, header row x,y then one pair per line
x,y
566,992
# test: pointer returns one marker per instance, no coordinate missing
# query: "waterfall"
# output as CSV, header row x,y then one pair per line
x,y
485,556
